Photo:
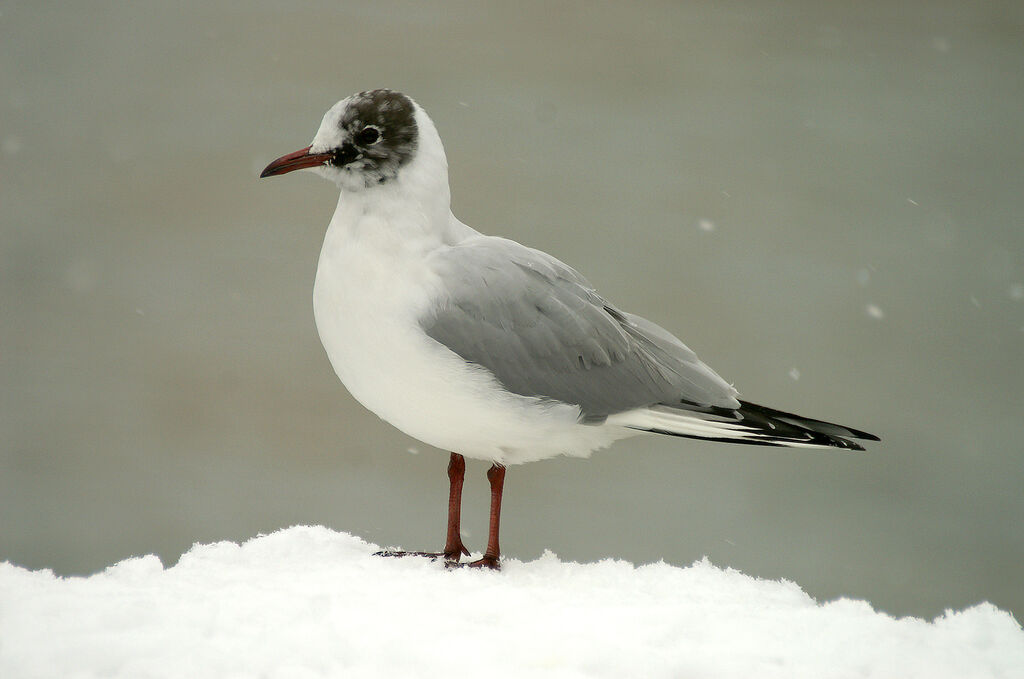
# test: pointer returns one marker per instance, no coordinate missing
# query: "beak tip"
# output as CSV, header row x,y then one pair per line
x,y
294,161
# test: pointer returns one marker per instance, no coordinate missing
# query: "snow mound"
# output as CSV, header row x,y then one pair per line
x,y
311,602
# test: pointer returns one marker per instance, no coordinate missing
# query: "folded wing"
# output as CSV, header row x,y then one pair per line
x,y
542,331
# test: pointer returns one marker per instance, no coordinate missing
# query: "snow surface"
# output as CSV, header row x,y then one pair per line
x,y
311,602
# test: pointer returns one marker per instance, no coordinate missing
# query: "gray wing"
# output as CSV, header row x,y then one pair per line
x,y
542,330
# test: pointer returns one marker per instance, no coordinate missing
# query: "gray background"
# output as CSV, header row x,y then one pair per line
x,y
753,176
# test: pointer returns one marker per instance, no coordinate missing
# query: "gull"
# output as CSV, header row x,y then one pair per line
x,y
481,346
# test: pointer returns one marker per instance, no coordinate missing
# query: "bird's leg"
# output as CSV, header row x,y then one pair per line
x,y
496,475
453,547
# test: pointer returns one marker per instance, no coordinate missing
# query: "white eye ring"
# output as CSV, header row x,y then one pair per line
x,y
360,133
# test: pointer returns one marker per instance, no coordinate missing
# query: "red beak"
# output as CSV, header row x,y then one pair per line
x,y
295,161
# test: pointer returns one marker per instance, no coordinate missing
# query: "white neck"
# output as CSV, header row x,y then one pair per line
x,y
414,208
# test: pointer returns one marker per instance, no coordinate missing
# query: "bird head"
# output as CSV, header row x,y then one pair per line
x,y
365,140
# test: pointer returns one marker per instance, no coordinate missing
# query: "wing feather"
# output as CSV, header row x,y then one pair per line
x,y
542,330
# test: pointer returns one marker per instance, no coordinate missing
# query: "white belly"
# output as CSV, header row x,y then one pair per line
x,y
367,303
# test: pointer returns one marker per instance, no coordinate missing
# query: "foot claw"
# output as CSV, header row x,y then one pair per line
x,y
455,553
491,562
450,557
399,553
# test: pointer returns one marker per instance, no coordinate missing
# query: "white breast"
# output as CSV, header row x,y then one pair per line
x,y
372,286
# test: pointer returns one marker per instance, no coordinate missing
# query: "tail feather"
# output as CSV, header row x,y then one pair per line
x,y
750,424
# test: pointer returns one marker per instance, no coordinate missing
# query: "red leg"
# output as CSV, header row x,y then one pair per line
x,y
496,475
453,547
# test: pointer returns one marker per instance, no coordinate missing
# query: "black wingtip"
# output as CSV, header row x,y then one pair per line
x,y
828,430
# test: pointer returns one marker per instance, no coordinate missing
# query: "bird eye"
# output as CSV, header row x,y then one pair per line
x,y
368,136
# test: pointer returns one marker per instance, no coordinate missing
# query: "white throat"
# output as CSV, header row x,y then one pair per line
x,y
410,211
